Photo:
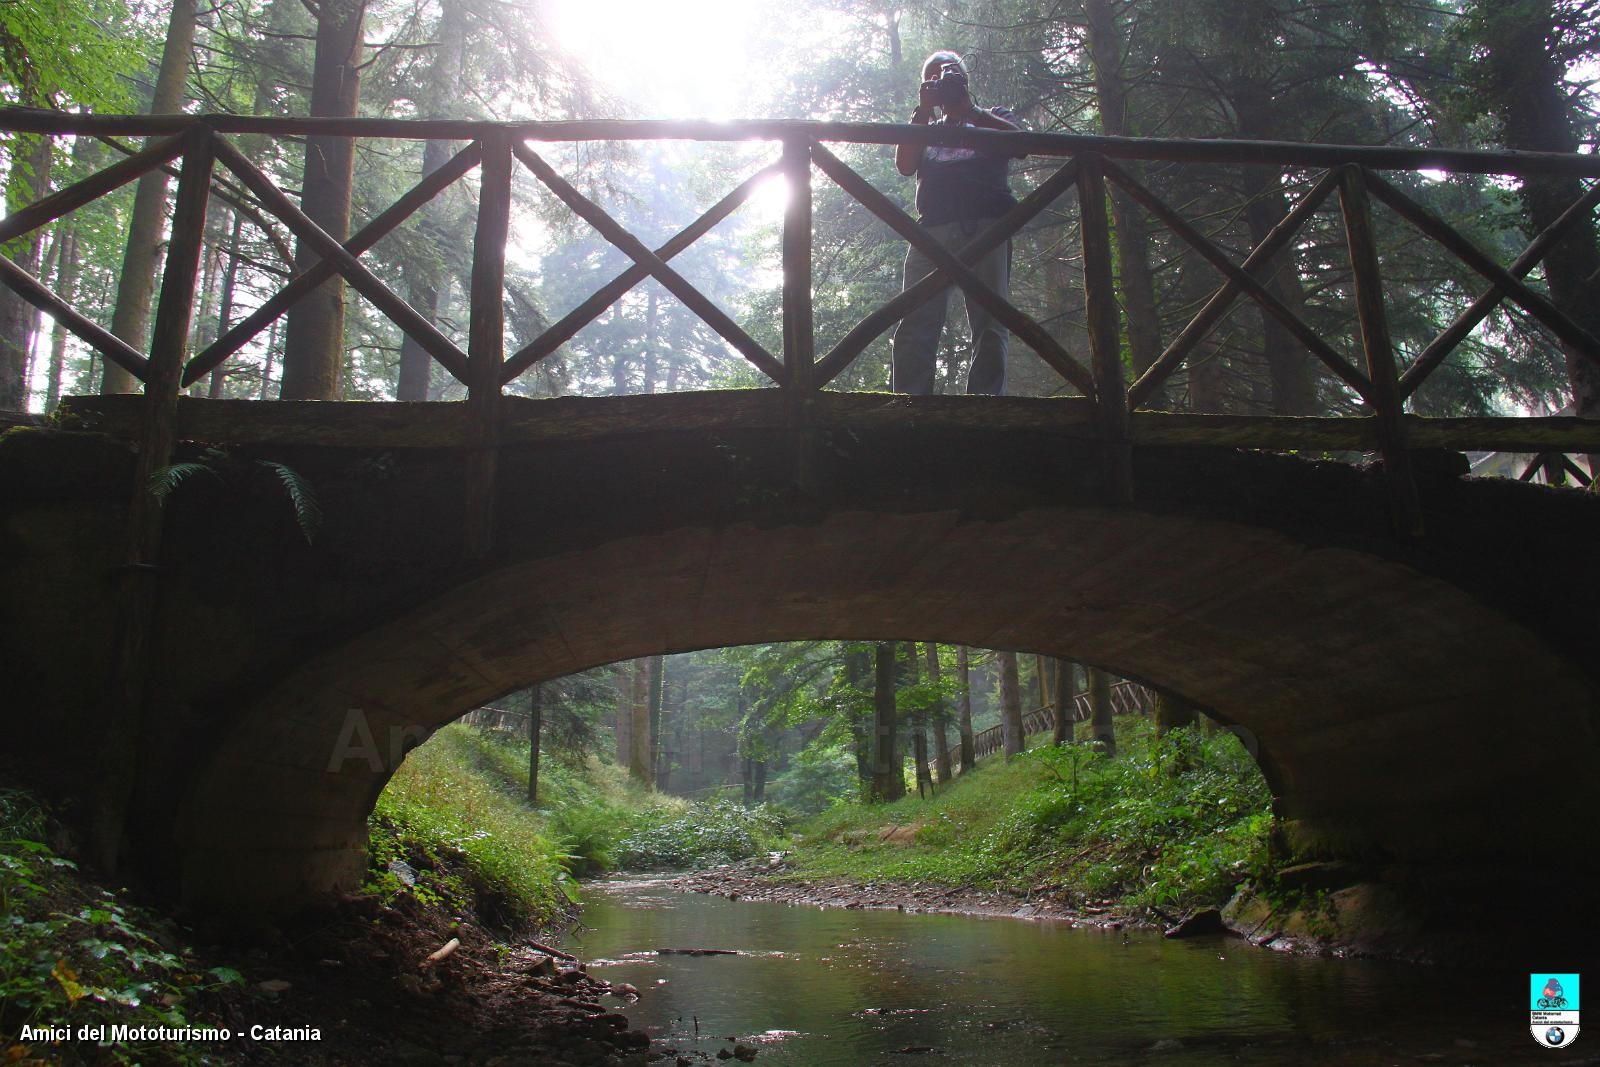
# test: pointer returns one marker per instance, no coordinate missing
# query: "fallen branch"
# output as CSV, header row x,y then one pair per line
x,y
442,951
557,953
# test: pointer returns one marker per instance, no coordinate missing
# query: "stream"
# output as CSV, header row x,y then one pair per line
x,y
839,986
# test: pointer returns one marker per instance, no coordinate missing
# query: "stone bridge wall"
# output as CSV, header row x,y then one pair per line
x,y
1413,703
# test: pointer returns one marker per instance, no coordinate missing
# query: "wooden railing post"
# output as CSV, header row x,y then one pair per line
x,y
1405,506
1105,335
136,607
798,343
486,340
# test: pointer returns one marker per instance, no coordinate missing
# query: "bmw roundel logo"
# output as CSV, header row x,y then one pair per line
x,y
1555,1035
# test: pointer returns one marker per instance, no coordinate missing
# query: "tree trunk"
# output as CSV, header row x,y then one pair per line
x,y
314,328
136,283
1066,672
1290,367
1104,730
208,285
1172,712
1010,703
1131,234
969,753
888,778
650,359
857,671
1536,107
760,786
266,363
29,181
1293,389
442,99
230,276
66,281
624,721
535,732
640,741
657,668
1206,390
919,727
422,292
941,718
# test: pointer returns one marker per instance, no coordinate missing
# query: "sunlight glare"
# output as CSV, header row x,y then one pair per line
x,y
692,59
771,196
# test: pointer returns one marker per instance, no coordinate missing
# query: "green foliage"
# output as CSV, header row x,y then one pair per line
x,y
73,954
456,813
818,778
231,471
708,833
53,52
472,843
1172,821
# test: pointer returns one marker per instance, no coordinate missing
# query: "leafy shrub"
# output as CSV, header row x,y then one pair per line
x,y
76,954
707,833
818,778
588,834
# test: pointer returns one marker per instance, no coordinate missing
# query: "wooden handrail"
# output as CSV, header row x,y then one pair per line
x,y
798,371
1174,150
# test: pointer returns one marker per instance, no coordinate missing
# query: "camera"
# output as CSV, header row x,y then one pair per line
x,y
949,88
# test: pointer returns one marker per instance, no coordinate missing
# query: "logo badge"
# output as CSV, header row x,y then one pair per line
x,y
1553,1008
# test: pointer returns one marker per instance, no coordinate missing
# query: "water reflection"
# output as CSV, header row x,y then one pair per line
x,y
843,987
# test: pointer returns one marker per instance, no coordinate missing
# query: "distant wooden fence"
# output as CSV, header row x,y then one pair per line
x,y
1127,698
500,720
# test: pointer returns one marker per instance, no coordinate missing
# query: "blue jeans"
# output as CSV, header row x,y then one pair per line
x,y
916,339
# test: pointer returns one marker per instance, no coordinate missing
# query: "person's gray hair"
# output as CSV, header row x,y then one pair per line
x,y
943,57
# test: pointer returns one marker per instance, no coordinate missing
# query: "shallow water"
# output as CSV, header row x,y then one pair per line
x,y
826,987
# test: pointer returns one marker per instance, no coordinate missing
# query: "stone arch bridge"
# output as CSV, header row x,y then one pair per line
x,y
1430,703
1412,649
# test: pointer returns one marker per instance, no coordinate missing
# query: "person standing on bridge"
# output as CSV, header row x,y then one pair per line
x,y
960,191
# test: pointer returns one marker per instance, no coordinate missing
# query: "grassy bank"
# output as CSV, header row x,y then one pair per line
x,y
455,828
1171,822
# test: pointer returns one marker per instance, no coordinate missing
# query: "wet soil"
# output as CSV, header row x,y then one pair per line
x,y
362,977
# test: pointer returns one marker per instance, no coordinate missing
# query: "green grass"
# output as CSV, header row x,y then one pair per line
x,y
457,814
450,815
1141,828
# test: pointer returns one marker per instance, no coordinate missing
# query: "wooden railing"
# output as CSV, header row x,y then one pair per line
x,y
1127,698
1089,165
501,720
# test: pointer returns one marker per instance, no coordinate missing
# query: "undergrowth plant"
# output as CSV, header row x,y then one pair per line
x,y
74,954
1171,821
466,842
707,834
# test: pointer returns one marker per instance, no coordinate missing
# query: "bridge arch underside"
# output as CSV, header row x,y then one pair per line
x,y
1398,717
